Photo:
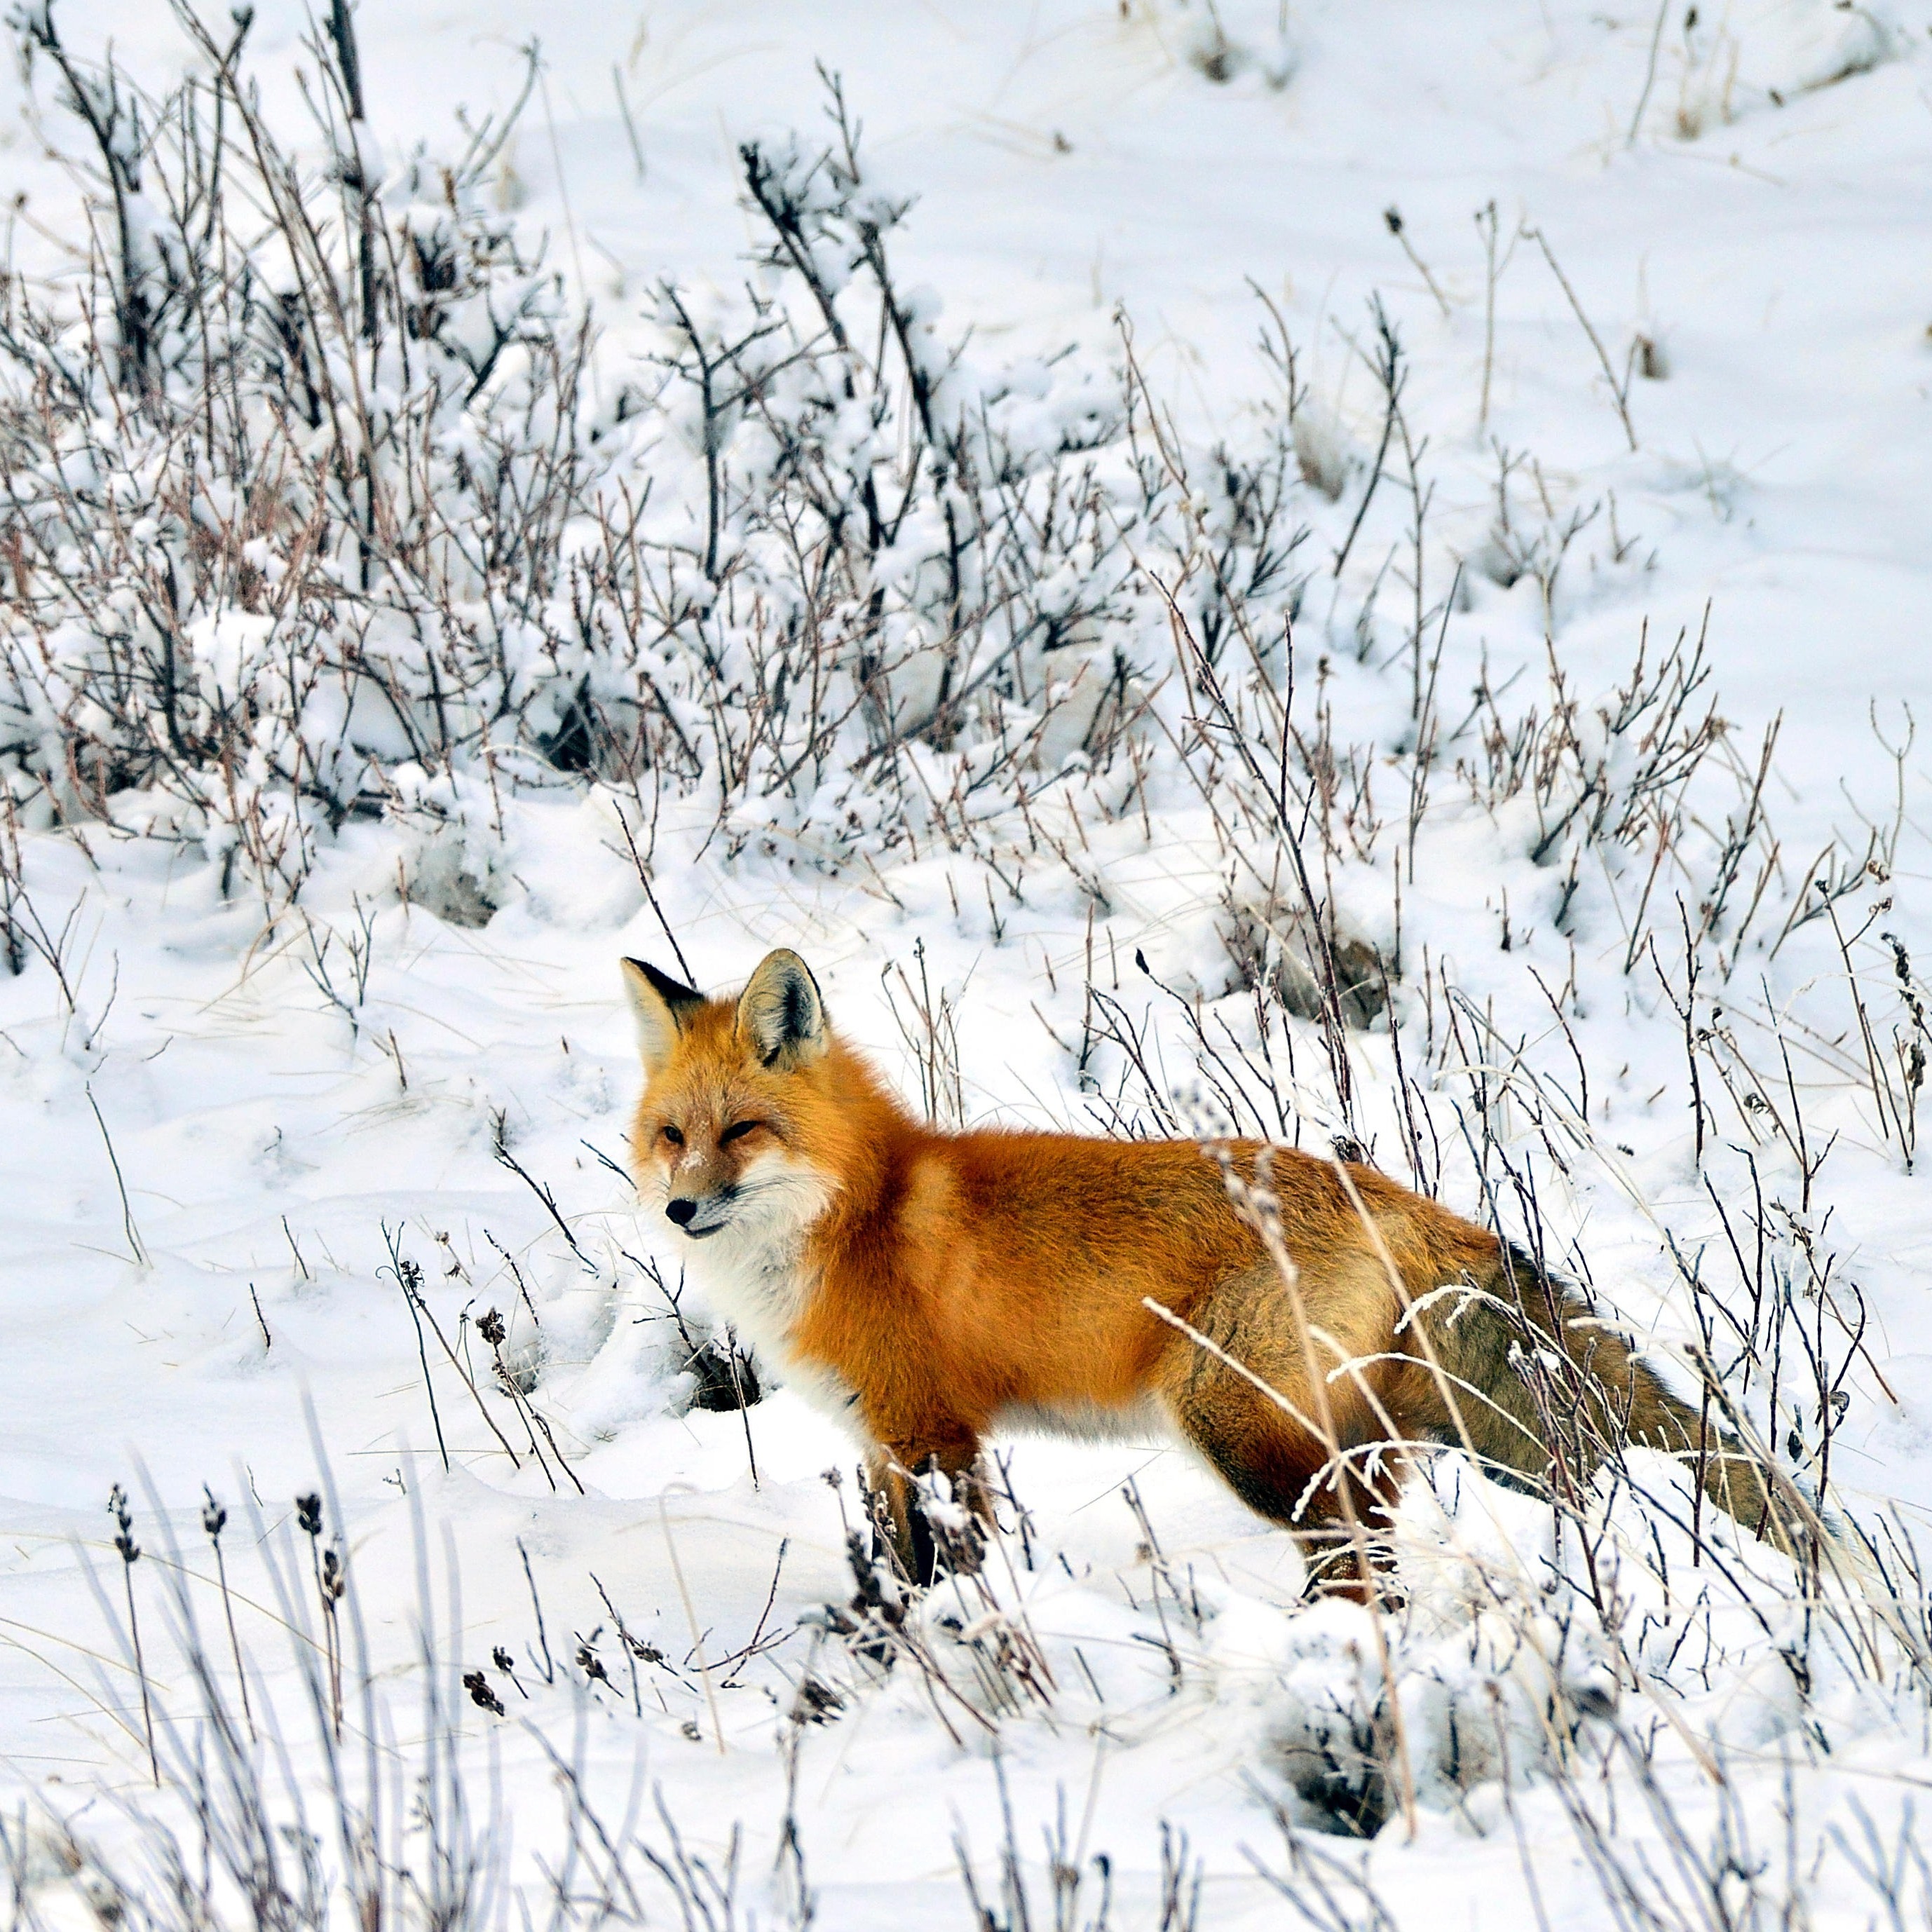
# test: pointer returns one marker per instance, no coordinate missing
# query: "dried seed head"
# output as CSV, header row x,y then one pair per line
x,y
214,1517
817,1703
481,1694
308,1514
117,1507
489,1326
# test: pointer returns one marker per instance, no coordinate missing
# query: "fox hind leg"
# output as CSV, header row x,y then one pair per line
x,y
1283,1470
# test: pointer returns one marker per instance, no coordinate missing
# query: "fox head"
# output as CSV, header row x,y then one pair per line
x,y
738,1128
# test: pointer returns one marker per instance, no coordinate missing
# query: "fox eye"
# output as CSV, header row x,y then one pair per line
x,y
674,1136
737,1130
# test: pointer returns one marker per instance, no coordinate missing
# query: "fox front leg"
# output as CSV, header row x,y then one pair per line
x,y
907,1525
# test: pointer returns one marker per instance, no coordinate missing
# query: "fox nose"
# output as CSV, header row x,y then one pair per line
x,y
680,1210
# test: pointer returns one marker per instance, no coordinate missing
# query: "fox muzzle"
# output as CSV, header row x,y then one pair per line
x,y
682,1210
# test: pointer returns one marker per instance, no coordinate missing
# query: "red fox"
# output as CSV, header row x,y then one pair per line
x,y
930,1289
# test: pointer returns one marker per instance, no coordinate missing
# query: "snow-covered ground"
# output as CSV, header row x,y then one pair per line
x,y
1662,297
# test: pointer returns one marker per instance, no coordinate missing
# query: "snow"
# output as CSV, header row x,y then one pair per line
x,y
234,1129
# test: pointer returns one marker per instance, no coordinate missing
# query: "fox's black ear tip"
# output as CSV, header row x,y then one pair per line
x,y
783,964
674,993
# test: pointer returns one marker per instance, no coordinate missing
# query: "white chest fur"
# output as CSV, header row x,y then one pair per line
x,y
754,1273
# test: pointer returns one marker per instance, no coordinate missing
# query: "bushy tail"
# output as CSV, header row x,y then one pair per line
x,y
1545,1392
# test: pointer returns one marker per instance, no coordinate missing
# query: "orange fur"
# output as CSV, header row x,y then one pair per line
x,y
931,1288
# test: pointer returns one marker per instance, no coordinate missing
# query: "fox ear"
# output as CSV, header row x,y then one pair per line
x,y
662,1007
780,1014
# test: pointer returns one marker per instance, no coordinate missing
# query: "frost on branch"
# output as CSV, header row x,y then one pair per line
x,y
339,520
